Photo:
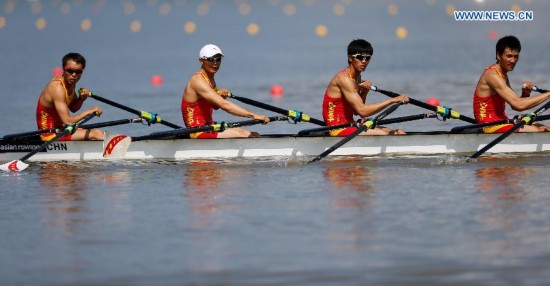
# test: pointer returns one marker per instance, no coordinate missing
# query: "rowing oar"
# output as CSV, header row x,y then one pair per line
x,y
150,117
537,89
498,122
118,145
20,165
526,120
19,136
356,124
444,111
369,124
293,114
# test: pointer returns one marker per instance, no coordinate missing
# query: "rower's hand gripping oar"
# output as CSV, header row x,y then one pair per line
x,y
20,136
444,111
528,119
117,146
20,165
369,124
295,115
150,117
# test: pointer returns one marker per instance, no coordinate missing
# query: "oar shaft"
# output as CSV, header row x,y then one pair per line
x,y
540,90
111,123
184,131
407,118
371,123
497,140
28,134
339,144
481,125
382,122
422,104
131,110
59,135
274,109
325,128
525,120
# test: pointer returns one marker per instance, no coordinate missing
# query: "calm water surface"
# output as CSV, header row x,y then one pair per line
x,y
347,221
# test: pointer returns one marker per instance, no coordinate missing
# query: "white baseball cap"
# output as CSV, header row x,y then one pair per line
x,y
209,51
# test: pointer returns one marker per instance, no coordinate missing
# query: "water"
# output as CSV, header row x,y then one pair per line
x,y
425,220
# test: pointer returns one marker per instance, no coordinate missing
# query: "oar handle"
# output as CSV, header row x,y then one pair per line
x,y
439,109
68,129
214,127
294,114
153,118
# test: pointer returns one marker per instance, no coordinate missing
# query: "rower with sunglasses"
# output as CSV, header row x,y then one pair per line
x,y
346,94
201,96
59,97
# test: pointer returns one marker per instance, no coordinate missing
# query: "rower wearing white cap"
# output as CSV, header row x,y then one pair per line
x,y
201,97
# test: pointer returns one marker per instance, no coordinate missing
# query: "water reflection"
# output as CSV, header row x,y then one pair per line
x,y
202,185
357,179
502,183
65,196
66,188
351,193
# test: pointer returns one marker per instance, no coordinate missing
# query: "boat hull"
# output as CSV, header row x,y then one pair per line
x,y
283,145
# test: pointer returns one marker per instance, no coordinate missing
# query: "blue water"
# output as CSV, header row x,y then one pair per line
x,y
350,221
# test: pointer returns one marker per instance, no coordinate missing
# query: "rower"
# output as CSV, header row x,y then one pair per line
x,y
201,96
59,97
346,94
493,91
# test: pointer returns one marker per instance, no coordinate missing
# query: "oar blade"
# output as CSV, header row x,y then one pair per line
x,y
115,145
14,166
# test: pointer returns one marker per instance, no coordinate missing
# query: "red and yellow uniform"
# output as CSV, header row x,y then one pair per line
x,y
490,109
337,111
47,117
199,113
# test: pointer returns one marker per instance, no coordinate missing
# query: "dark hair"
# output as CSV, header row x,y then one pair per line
x,y
76,57
359,46
508,42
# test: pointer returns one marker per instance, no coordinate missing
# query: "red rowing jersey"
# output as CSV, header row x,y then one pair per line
x,y
47,117
199,113
489,109
338,111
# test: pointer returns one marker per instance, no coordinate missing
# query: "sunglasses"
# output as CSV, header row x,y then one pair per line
x,y
71,71
213,59
362,57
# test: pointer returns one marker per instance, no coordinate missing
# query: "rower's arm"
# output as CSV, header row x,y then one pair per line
x,y
347,86
204,91
57,94
517,103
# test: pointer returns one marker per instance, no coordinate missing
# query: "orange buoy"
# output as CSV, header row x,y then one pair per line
x,y
277,90
157,80
432,101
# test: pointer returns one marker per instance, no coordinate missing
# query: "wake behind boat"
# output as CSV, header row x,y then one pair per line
x,y
413,143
